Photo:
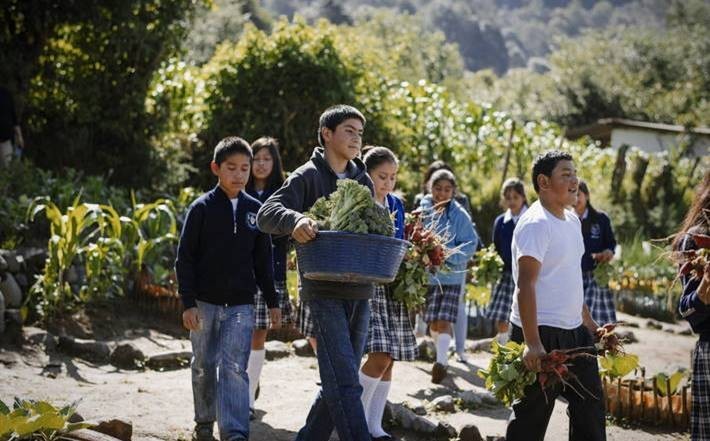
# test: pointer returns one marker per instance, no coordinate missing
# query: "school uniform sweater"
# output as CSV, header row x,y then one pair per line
x,y
598,236
454,224
282,211
396,206
222,255
690,306
503,228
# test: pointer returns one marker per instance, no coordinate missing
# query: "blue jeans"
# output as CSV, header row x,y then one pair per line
x,y
341,332
220,351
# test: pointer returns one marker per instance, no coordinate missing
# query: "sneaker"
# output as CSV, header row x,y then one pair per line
x,y
203,432
438,373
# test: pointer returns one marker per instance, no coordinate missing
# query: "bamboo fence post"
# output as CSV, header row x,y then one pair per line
x,y
618,399
684,406
631,399
655,399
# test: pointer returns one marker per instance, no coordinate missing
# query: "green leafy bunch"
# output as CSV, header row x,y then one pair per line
x,y
489,266
351,208
29,419
506,375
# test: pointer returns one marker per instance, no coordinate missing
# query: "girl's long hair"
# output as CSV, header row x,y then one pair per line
x,y
698,217
276,178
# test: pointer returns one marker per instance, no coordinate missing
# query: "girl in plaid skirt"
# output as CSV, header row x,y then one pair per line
x,y
694,306
599,244
441,212
515,202
390,336
266,177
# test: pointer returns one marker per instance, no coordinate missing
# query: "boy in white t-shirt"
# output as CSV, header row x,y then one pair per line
x,y
548,307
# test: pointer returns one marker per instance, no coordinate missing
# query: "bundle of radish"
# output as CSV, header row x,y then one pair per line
x,y
614,361
507,377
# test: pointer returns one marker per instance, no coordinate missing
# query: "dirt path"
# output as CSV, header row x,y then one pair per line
x,y
159,404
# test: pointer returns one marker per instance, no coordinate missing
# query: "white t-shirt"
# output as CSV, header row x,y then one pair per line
x,y
559,246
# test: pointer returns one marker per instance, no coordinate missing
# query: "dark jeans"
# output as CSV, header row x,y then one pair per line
x,y
341,332
531,414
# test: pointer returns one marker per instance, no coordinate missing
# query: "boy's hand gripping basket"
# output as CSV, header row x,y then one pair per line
x,y
337,256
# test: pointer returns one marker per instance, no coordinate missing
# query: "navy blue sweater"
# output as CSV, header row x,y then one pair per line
x,y
690,307
280,243
502,239
215,263
598,236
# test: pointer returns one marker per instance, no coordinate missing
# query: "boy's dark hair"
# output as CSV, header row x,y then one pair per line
x,y
276,178
376,156
229,146
334,116
545,163
442,175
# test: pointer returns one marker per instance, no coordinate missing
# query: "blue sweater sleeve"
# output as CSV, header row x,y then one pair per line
x,y
689,306
465,236
186,262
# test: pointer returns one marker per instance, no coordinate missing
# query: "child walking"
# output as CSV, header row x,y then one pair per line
x,y
548,308
515,202
340,311
694,306
599,245
267,177
441,211
222,258
390,336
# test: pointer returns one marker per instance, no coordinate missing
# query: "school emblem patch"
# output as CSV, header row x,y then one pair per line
x,y
596,231
251,220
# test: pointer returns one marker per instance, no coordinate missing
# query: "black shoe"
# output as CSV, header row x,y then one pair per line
x,y
384,438
203,432
252,414
438,373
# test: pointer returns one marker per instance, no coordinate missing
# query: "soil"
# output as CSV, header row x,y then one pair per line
x,y
159,404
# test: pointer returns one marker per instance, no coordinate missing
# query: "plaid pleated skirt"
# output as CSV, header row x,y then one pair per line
x,y
261,312
599,300
700,413
304,321
501,299
442,303
390,330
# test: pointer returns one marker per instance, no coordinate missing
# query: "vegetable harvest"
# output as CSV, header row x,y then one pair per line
x,y
351,208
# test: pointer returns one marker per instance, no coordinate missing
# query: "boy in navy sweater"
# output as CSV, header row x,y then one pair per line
x,y
222,257
340,311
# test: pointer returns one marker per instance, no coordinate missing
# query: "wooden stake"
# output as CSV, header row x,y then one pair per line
x,y
670,401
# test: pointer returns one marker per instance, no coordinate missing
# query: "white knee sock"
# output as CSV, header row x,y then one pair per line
x,y
377,409
369,384
256,362
442,348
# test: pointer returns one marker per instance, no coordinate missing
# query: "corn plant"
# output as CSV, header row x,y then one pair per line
x,y
30,419
85,233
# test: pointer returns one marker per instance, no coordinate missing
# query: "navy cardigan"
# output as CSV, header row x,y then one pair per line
x,y
222,257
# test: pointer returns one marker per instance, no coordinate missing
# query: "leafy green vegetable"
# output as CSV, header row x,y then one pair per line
x,y
31,419
617,366
675,379
351,208
506,375
488,268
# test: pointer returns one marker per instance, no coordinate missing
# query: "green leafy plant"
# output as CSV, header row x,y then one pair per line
x,y
36,420
674,379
